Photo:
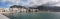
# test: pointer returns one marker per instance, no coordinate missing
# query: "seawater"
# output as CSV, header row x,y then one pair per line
x,y
35,15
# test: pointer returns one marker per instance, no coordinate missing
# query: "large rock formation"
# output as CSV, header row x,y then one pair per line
x,y
17,6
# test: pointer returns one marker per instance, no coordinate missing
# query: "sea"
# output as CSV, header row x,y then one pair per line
x,y
34,15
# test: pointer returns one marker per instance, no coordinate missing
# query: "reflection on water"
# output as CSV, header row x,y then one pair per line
x,y
35,15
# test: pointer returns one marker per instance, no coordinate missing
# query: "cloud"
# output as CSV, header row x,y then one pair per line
x,y
31,3
17,2
44,2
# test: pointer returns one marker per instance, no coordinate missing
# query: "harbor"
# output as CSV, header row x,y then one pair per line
x,y
34,15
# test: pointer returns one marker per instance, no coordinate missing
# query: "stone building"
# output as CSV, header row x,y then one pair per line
x,y
1,10
4,10
16,10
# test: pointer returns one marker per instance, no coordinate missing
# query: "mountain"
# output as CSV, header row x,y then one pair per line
x,y
16,6
51,8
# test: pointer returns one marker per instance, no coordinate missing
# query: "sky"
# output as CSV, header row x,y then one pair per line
x,y
28,3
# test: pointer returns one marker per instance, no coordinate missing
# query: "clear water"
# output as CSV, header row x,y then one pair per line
x,y
35,15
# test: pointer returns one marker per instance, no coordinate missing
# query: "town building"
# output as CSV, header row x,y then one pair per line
x,y
1,10
17,10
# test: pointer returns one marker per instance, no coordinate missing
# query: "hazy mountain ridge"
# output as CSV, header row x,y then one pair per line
x,y
52,8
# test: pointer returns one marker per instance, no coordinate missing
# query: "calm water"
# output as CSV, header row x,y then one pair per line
x,y
35,15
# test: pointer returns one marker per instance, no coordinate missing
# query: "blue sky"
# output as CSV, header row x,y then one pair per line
x,y
8,3
4,4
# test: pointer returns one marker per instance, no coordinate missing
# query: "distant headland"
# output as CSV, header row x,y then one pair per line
x,y
17,8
